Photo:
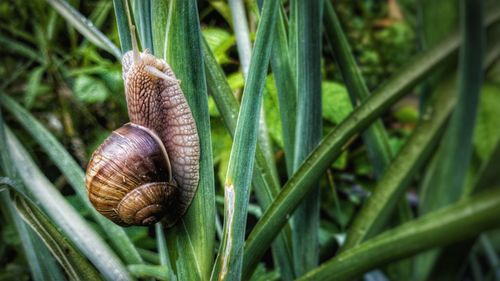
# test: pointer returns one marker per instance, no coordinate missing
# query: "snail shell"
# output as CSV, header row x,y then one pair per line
x,y
126,180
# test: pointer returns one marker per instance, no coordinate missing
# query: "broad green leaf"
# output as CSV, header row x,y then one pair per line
x,y
335,102
237,185
74,174
48,198
220,41
74,263
192,250
456,222
331,146
84,26
90,90
308,130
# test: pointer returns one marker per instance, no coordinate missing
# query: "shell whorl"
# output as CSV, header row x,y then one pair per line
x,y
160,105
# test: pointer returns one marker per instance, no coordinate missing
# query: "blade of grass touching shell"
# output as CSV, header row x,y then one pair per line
x,y
377,209
85,27
161,244
331,146
36,254
73,173
159,17
266,187
191,250
445,180
305,220
457,222
48,198
74,263
122,24
142,18
241,162
375,137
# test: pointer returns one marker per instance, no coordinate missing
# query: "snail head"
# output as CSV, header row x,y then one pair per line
x,y
143,66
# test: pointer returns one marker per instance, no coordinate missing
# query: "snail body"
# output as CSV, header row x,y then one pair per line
x,y
147,170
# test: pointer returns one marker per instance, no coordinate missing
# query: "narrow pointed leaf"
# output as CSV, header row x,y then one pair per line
x,y
191,242
84,26
266,187
142,16
159,17
74,263
305,219
122,24
241,162
457,222
42,266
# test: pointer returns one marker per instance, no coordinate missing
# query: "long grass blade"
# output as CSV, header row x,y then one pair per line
x,y
42,265
305,220
161,243
142,16
286,87
450,170
159,17
241,162
85,27
266,187
409,160
330,147
67,219
74,263
123,26
445,180
192,250
457,222
264,153
74,174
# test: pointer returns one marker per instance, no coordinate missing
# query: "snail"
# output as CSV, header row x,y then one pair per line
x,y
148,169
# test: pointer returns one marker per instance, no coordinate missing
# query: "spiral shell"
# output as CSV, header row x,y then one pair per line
x,y
128,178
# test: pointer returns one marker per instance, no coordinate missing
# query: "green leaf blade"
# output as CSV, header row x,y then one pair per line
x,y
241,163
305,220
192,250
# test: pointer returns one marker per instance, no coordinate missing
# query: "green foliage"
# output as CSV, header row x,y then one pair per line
x,y
385,77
